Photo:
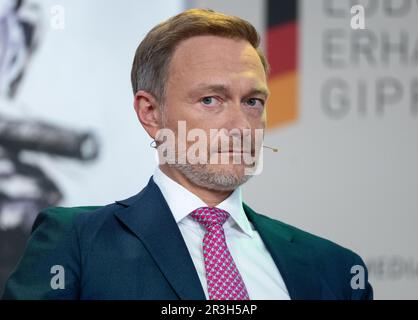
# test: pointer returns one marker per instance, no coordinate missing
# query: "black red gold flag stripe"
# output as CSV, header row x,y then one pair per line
x,y
282,53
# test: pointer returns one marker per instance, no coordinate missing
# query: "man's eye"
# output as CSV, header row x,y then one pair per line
x,y
254,102
209,101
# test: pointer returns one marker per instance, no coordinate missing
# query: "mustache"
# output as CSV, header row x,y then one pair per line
x,y
235,150
235,144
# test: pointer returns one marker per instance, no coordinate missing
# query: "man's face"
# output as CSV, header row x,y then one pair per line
x,y
216,83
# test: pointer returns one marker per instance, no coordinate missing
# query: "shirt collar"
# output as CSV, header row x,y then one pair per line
x,y
182,202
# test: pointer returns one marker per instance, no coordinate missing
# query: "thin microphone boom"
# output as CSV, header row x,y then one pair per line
x,y
271,148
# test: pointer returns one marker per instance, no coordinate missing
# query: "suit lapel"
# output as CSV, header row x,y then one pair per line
x,y
148,216
293,260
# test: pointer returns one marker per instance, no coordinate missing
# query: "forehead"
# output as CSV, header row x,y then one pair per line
x,y
213,56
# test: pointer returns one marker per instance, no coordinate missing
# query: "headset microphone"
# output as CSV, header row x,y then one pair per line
x,y
271,148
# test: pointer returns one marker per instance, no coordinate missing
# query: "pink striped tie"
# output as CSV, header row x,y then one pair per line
x,y
222,276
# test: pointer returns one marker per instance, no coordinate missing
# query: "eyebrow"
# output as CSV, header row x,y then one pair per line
x,y
222,89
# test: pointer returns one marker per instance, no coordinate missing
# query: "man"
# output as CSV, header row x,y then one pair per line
x,y
187,234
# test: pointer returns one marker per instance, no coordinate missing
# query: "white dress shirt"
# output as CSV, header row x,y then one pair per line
x,y
255,264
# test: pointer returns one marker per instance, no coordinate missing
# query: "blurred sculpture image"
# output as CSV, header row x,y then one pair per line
x,y
25,188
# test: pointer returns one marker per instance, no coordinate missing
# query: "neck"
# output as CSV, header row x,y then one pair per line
x,y
208,196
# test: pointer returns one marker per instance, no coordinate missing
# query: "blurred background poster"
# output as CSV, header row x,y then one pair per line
x,y
66,112
343,111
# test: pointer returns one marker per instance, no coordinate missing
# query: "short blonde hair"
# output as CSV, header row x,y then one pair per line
x,y
153,55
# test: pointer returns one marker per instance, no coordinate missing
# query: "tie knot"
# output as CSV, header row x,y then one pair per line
x,y
209,216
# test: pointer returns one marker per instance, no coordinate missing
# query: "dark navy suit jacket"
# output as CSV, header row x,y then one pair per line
x,y
133,249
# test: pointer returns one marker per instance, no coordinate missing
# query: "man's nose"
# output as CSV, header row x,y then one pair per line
x,y
237,120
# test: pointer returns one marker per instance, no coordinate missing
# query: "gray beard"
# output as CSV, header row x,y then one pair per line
x,y
200,175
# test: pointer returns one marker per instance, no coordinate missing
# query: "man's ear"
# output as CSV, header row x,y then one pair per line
x,y
148,112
